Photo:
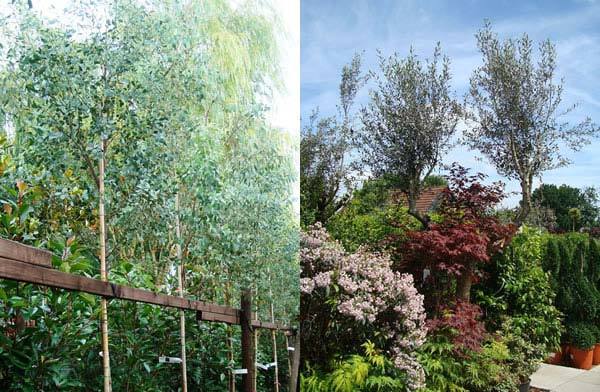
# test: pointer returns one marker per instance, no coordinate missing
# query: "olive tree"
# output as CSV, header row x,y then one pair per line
x,y
516,108
409,122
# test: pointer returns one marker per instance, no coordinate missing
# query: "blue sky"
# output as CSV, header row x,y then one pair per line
x,y
332,31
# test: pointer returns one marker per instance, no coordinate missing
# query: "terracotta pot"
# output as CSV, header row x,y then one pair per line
x,y
596,360
556,358
582,359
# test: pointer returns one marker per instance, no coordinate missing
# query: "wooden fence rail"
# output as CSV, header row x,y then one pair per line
x,y
24,263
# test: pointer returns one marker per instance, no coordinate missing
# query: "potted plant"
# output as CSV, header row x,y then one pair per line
x,y
596,359
557,357
526,357
582,339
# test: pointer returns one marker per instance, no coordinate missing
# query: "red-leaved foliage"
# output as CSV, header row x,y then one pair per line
x,y
463,322
467,235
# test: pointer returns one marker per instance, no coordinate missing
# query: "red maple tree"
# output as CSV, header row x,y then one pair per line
x,y
466,235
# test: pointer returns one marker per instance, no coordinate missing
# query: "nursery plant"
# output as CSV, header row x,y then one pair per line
x,y
518,287
350,298
581,337
466,237
371,371
525,356
485,369
177,90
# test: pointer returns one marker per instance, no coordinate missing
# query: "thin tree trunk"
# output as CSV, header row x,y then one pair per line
x,y
231,376
274,339
255,374
103,274
255,332
525,209
228,343
180,272
465,281
273,335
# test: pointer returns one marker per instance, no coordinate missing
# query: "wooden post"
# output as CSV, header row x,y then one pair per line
x,y
256,338
180,272
289,356
230,357
295,363
231,380
103,272
248,360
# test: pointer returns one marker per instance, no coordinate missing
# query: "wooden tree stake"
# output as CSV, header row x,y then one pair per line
x,y
248,360
180,272
274,337
295,363
103,273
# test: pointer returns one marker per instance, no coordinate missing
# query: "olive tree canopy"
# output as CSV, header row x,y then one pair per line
x,y
409,122
516,111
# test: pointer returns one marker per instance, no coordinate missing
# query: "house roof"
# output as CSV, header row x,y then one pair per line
x,y
427,201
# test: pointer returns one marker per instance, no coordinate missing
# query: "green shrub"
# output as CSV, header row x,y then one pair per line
x,y
522,290
486,370
595,328
444,371
370,217
581,335
357,373
525,355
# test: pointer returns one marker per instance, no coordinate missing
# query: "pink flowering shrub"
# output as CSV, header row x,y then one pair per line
x,y
349,298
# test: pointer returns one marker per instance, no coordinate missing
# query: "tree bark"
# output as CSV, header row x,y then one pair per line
x,y
103,273
464,283
412,196
525,210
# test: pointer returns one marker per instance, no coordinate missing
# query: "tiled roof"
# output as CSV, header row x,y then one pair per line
x,y
427,200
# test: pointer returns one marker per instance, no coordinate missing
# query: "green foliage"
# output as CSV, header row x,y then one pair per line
x,y
521,289
484,370
177,92
571,259
370,216
372,372
562,199
434,180
442,368
526,354
581,335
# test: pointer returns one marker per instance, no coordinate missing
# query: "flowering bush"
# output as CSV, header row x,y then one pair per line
x,y
353,297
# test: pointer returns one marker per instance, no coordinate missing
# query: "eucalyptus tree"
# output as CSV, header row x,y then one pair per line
x,y
80,103
177,91
409,121
516,108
